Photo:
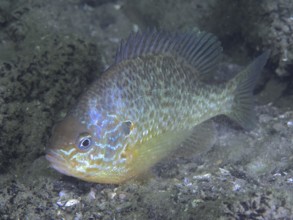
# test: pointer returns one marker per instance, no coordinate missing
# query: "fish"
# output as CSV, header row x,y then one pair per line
x,y
149,103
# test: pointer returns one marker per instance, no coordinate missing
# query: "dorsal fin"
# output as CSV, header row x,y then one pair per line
x,y
200,49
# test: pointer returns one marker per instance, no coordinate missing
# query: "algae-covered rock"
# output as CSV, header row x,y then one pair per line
x,y
41,74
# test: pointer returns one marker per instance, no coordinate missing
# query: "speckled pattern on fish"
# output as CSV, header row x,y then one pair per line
x,y
148,103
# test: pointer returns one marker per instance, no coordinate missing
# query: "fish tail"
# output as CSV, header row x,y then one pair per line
x,y
242,110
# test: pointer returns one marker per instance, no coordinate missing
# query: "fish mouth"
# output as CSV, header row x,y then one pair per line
x,y
57,162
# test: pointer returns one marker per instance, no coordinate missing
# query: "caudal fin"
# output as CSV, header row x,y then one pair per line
x,y
242,109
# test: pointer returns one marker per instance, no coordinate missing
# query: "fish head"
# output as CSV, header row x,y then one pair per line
x,y
69,145
94,151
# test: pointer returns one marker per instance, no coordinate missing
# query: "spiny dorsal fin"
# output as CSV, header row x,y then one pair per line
x,y
201,50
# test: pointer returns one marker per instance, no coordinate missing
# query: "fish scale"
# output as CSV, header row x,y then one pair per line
x,y
150,101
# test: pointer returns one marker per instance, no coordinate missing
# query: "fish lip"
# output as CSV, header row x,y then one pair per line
x,y
57,162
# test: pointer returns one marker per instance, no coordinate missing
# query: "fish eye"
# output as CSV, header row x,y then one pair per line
x,y
84,141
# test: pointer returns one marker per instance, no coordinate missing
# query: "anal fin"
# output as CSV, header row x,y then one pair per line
x,y
201,140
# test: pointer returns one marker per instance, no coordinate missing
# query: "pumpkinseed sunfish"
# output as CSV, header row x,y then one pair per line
x,y
147,104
